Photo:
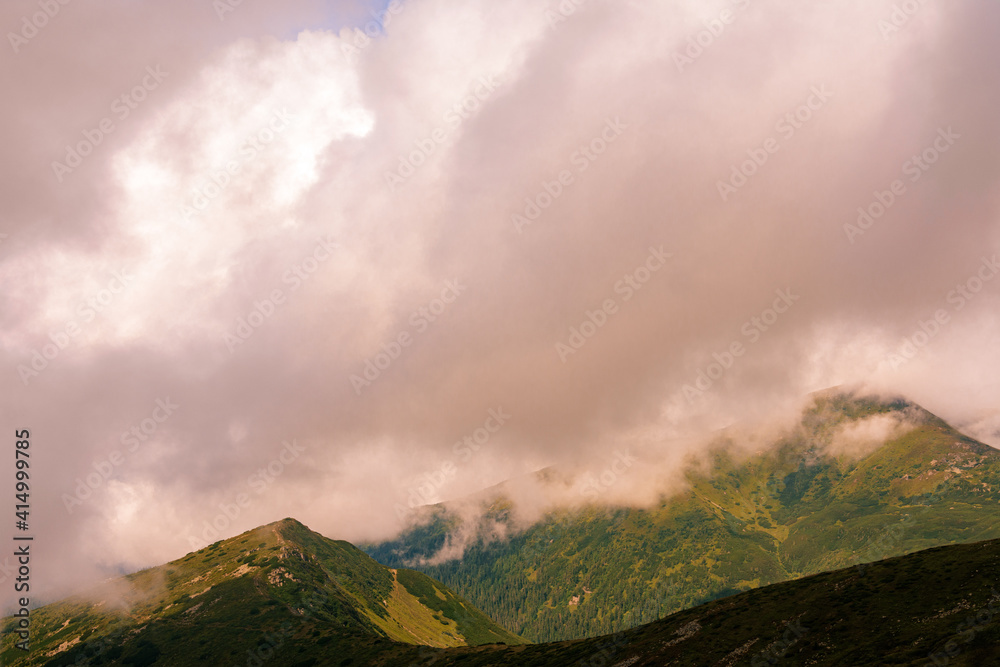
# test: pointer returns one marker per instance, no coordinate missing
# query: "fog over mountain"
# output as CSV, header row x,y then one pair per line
x,y
260,264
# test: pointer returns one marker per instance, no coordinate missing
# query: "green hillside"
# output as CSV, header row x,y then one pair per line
x,y
280,589
798,508
935,607
282,595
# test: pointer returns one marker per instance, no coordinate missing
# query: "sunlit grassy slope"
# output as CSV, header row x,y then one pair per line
x,y
932,608
279,590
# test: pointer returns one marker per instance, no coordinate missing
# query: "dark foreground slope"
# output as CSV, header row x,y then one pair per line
x,y
277,595
935,607
801,506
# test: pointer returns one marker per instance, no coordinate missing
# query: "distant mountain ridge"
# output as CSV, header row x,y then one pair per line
x,y
934,608
802,506
280,589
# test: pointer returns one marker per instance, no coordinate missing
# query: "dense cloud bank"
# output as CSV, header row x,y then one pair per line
x,y
259,264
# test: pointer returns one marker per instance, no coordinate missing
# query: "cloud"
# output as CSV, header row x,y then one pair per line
x,y
857,439
239,245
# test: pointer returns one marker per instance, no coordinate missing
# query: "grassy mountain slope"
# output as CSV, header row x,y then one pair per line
x,y
798,508
936,607
940,606
280,588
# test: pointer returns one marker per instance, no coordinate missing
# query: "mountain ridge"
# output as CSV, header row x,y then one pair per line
x,y
275,586
806,504
939,606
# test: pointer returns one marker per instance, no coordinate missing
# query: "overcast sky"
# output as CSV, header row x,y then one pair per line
x,y
258,262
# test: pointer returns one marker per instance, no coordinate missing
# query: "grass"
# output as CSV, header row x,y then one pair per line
x,y
746,521
279,590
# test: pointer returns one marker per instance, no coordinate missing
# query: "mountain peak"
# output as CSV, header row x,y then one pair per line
x,y
282,575
859,477
287,527
287,521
